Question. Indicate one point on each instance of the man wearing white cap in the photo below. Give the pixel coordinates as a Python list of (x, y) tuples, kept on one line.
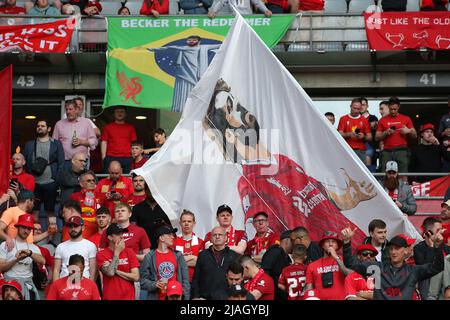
[(398, 190)]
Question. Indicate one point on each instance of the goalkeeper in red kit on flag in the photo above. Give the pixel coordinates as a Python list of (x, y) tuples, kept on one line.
[(274, 183)]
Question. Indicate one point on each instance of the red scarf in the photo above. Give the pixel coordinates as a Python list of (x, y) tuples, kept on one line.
[(251, 284), (231, 236), (261, 242)]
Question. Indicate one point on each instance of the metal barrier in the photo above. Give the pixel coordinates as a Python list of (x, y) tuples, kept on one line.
[(310, 33)]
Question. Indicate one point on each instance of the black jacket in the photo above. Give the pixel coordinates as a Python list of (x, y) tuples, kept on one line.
[(394, 5), (314, 252), (210, 276), (396, 283), (273, 262), (56, 156)]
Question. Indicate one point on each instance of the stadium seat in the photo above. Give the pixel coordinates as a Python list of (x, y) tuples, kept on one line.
[(335, 6)]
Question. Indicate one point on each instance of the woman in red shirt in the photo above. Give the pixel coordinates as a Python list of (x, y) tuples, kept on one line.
[(154, 7)]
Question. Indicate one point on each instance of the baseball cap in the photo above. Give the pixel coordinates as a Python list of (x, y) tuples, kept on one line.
[(11, 283), (331, 235), (174, 288), (165, 230), (366, 247), (25, 220), (427, 126), (311, 295), (223, 208), (409, 241), (398, 241), (261, 213), (114, 228), (446, 202), (391, 166), (285, 234), (25, 195), (75, 220), (236, 290)]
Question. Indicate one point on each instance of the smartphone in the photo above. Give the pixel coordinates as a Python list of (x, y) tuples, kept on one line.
[(14, 182)]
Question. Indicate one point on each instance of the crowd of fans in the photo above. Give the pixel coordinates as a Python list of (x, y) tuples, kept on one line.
[(212, 8), (66, 235), (380, 141)]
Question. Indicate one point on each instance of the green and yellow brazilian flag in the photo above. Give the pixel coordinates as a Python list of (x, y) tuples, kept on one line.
[(137, 77)]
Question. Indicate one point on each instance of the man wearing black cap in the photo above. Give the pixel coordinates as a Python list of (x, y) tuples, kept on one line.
[(237, 239), (264, 238), (398, 280), (119, 265), (212, 264), (162, 265), (275, 259), (237, 292)]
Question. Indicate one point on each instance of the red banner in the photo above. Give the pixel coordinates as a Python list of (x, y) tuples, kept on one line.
[(44, 37), (408, 30), (6, 76)]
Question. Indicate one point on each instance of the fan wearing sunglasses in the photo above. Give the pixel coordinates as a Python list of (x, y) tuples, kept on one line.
[(358, 287)]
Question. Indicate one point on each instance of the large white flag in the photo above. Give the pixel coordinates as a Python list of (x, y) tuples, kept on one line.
[(250, 137)]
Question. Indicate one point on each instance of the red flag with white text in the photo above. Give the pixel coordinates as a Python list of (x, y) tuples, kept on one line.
[(44, 37)]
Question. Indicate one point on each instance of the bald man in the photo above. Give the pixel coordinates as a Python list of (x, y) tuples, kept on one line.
[(212, 265), (25, 179), (116, 188)]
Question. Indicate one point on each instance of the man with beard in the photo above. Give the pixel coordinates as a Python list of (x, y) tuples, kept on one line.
[(191, 62), (445, 214), (274, 181), (76, 245), (10, 290), (398, 190), (115, 188), (46, 185), (139, 191), (25, 179), (146, 213)]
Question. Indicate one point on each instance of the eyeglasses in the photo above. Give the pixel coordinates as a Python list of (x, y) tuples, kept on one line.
[(217, 235), (259, 220), (90, 180), (368, 254), (330, 234)]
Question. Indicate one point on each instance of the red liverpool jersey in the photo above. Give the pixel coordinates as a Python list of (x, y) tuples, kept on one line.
[(294, 198), (293, 277)]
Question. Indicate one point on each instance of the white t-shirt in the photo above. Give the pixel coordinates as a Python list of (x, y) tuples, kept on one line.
[(24, 268), (378, 257), (68, 248)]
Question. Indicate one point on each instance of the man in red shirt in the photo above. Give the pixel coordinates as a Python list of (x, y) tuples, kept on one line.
[(163, 265), (356, 286), (137, 153), (89, 201), (74, 286), (119, 266), (264, 238), (135, 237), (325, 275), (116, 140), (25, 179), (293, 277), (259, 283), (188, 243), (139, 191), (114, 189), (445, 214), (355, 129), (237, 239), (10, 8), (103, 221), (392, 130)]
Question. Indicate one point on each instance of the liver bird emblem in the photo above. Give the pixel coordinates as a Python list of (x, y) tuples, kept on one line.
[(130, 87)]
